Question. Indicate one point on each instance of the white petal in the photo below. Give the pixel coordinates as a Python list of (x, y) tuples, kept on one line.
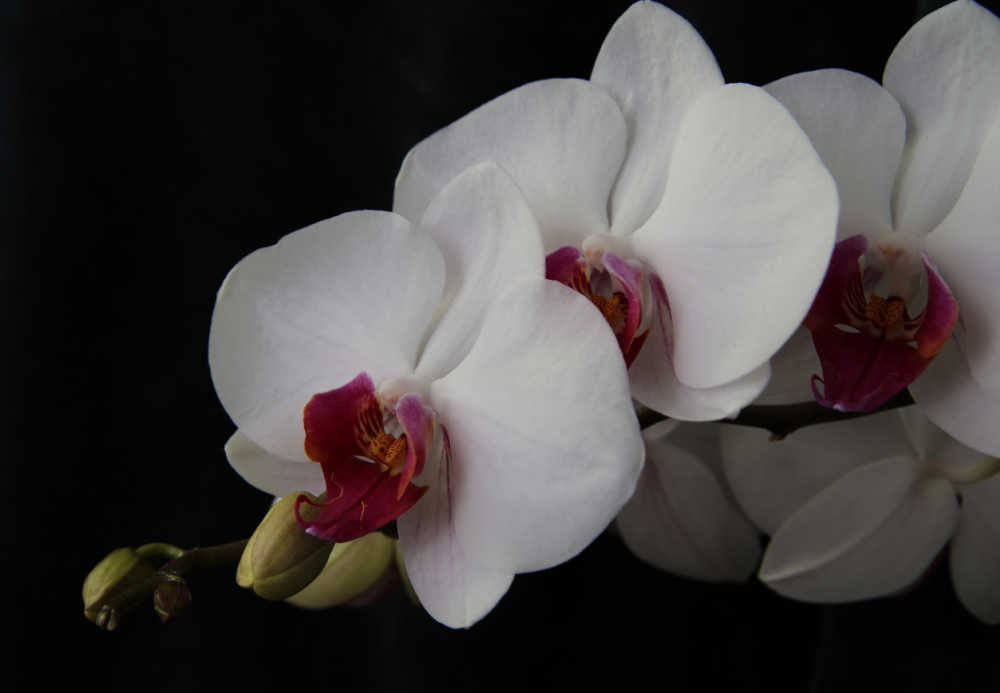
[(950, 397), (451, 586), (743, 235), (975, 551), (869, 534), (946, 456), (654, 384), (681, 520), (488, 236), (792, 369), (561, 140), (966, 250), (945, 72), (771, 479), (542, 428), (270, 473), (858, 129), (352, 293), (655, 65)]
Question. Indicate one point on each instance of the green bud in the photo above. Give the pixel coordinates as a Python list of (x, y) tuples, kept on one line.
[(280, 558), (351, 570), (120, 570), (171, 597)]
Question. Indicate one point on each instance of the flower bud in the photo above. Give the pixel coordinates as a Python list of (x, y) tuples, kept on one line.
[(171, 597), (280, 558), (353, 569), (120, 570)]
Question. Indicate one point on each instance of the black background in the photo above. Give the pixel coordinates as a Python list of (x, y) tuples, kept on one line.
[(151, 145)]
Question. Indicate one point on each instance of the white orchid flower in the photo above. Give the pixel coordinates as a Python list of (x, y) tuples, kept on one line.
[(682, 517), (436, 376), (859, 509), (917, 165), (695, 215)]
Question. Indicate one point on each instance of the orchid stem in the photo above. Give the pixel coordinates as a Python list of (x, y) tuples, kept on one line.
[(783, 419)]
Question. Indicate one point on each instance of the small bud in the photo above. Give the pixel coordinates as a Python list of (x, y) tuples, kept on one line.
[(120, 570), (172, 597), (280, 558), (351, 571)]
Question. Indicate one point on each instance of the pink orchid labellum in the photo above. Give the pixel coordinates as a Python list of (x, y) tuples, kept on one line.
[(438, 379)]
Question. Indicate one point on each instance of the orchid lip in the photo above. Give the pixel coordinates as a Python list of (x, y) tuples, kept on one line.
[(869, 345), (616, 286), (369, 454)]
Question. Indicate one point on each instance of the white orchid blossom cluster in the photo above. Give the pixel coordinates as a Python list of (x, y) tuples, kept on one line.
[(467, 365)]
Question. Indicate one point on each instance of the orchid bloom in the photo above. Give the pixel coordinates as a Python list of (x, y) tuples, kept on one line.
[(914, 276), (682, 517), (437, 378), (859, 509), (694, 215)]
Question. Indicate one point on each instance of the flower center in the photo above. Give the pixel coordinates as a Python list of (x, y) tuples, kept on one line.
[(885, 313), (878, 319), (618, 288), (892, 281), (370, 446)]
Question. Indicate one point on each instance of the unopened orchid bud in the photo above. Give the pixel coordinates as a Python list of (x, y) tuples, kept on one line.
[(119, 571), (281, 558), (353, 569), (171, 597)]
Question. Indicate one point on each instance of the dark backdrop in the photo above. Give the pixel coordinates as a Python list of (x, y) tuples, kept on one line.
[(148, 147)]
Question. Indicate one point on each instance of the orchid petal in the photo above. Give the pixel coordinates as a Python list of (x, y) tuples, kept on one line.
[(870, 533), (654, 63), (946, 456), (771, 479), (453, 589), (487, 235), (655, 384), (750, 206), (975, 551), (680, 519), (792, 369), (954, 400), (269, 473), (349, 294), (858, 130), (966, 247), (561, 140), (945, 72), (541, 422)]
